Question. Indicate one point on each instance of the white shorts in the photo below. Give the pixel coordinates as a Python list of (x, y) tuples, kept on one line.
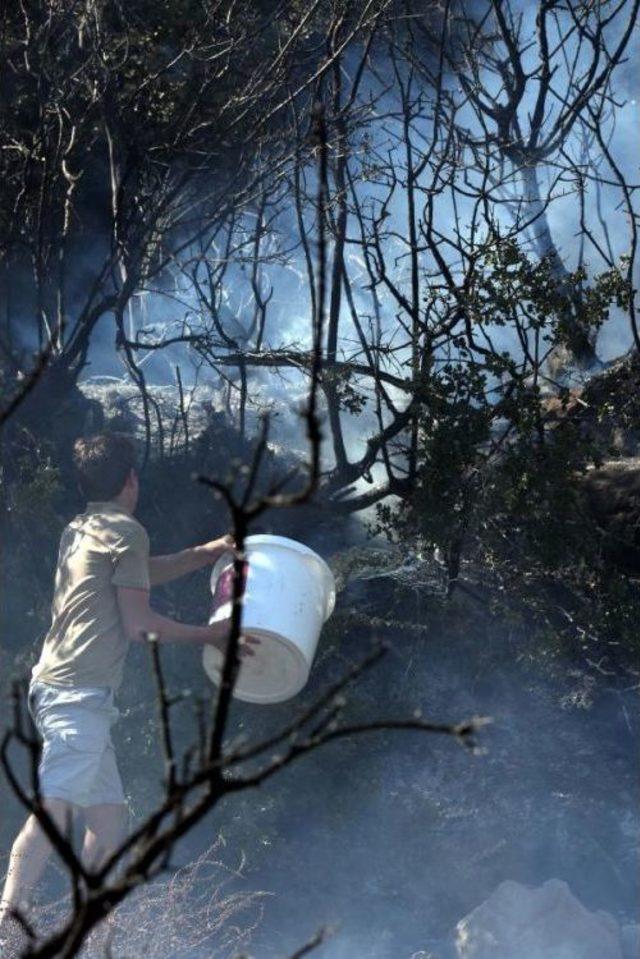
[(78, 761)]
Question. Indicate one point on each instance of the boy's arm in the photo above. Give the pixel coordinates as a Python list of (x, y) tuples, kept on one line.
[(163, 569), (139, 621)]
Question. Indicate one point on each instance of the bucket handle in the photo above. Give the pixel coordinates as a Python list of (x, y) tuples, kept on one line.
[(217, 568)]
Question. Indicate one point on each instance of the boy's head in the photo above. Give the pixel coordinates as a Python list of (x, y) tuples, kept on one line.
[(106, 467)]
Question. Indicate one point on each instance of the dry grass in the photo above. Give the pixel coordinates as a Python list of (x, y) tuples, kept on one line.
[(196, 912)]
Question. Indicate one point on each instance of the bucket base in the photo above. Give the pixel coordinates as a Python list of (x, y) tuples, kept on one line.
[(277, 671)]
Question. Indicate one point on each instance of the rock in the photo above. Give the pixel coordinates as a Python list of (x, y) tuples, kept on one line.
[(547, 922), (612, 496), (631, 941)]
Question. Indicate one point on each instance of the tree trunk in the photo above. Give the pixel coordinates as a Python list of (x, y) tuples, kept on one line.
[(580, 340)]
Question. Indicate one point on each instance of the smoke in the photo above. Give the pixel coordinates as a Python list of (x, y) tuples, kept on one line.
[(377, 149), (393, 838)]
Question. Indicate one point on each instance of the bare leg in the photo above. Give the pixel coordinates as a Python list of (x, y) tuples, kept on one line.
[(106, 828), (28, 858)]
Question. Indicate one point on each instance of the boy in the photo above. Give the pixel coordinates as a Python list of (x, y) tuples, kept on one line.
[(100, 605)]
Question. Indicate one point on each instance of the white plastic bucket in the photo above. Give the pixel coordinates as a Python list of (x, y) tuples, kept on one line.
[(289, 594)]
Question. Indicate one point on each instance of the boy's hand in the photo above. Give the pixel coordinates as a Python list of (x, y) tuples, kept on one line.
[(245, 646), (220, 638), (213, 550)]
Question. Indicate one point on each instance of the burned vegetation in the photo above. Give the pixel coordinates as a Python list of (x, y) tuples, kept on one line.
[(363, 274)]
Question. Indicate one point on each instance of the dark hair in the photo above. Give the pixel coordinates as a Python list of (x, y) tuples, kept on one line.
[(102, 464)]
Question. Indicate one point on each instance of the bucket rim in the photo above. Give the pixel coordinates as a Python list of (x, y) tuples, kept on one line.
[(249, 695), (284, 542), (267, 539)]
